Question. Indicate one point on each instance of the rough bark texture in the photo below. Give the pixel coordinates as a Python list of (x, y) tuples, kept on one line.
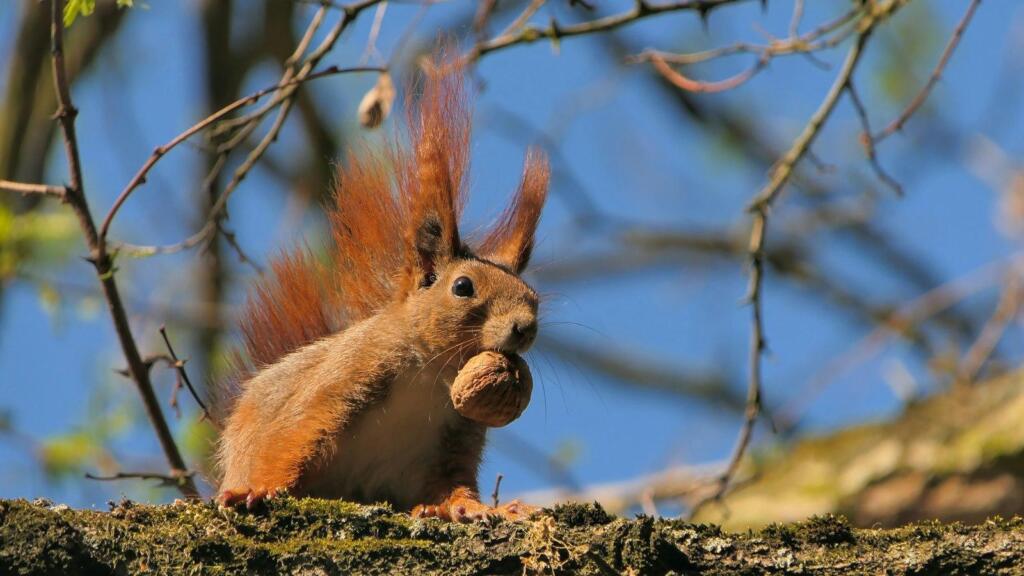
[(958, 455), (314, 537)]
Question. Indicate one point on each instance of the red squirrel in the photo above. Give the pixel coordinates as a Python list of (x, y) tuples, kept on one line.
[(342, 387)]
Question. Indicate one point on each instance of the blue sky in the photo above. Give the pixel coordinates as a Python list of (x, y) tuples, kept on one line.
[(623, 145)]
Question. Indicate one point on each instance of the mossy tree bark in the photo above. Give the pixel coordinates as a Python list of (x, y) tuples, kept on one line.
[(956, 456), (292, 536)]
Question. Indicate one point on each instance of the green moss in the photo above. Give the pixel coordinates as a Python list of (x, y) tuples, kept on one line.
[(581, 514), (290, 536), (827, 529)]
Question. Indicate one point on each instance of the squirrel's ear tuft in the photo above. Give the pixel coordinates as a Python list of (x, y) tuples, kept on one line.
[(430, 245), (510, 241), (433, 183)]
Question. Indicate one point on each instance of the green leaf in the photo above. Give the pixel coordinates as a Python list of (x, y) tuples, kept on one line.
[(75, 7)]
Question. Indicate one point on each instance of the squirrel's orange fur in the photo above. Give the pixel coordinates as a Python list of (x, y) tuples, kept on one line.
[(342, 387)]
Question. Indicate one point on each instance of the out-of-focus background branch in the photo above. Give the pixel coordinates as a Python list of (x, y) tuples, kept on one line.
[(888, 227)]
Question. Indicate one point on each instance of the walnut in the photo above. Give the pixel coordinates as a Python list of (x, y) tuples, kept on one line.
[(492, 388)]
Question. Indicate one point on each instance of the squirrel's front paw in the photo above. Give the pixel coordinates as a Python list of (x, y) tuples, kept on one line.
[(251, 497)]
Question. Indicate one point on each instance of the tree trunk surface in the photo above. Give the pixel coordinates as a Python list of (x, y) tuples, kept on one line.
[(314, 537)]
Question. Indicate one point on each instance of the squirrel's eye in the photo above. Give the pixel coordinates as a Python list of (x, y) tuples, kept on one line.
[(463, 287), (428, 280)]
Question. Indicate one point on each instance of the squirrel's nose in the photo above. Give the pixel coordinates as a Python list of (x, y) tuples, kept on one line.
[(523, 333)]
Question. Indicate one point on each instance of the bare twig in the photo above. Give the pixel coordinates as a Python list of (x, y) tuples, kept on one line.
[(371, 38), (897, 124), (794, 22), (690, 85), (174, 480), (555, 31), (688, 485), (828, 35), (42, 189), (782, 171), (869, 143), (160, 151), (497, 488), (523, 18), (285, 99), (482, 18), (101, 260), (179, 366), (232, 240)]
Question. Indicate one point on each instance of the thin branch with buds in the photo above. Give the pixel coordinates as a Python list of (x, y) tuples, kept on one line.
[(160, 151), (286, 89), (897, 124), (101, 260)]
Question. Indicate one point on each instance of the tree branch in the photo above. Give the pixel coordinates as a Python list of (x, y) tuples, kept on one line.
[(40, 189), (100, 259)]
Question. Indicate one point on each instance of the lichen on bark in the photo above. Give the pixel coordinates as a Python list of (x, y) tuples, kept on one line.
[(307, 536)]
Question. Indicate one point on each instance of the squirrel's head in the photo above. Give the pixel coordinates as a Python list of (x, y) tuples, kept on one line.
[(468, 300), (470, 304)]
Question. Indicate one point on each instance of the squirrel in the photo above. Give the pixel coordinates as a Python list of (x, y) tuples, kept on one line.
[(341, 389)]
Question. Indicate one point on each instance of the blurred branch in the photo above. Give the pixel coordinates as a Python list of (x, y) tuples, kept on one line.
[(101, 260), (645, 373), (905, 318), (534, 458), (681, 484), (1005, 312), (690, 85)]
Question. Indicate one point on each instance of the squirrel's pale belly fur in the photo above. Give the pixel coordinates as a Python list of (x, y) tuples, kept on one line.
[(388, 451)]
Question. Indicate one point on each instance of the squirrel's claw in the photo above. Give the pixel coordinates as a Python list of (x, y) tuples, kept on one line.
[(461, 510), (466, 510), (232, 498), (516, 510)]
